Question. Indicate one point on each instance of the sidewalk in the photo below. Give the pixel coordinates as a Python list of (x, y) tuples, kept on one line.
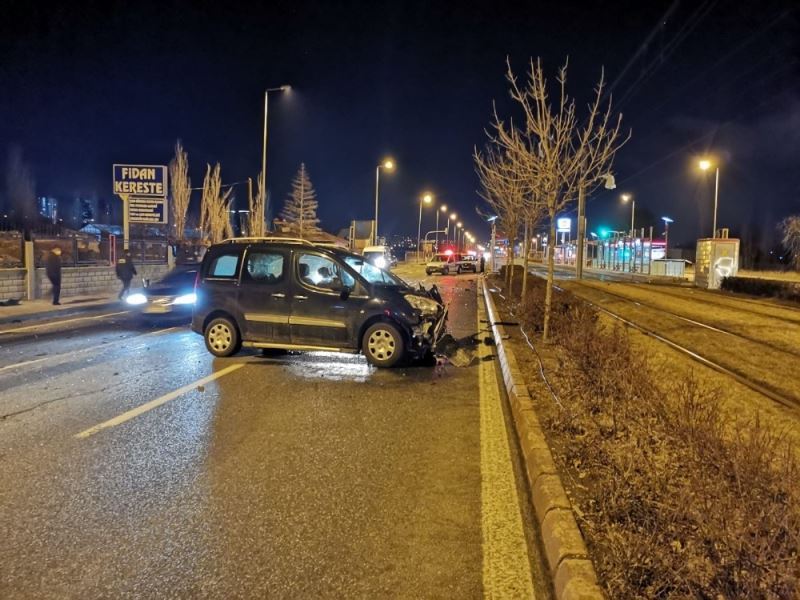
[(31, 310)]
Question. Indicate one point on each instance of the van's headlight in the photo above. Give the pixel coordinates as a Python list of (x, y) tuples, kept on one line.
[(186, 299), (136, 299), (426, 306), (380, 262)]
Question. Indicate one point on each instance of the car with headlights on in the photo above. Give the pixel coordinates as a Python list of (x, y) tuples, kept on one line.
[(290, 294), (173, 295), (380, 256)]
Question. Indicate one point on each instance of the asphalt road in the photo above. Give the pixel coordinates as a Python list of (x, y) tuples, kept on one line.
[(134, 464)]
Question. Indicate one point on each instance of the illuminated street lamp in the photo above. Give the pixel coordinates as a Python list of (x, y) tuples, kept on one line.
[(705, 165), (626, 198), (283, 88), (453, 217), (426, 198), (667, 221), (388, 165), (459, 229)]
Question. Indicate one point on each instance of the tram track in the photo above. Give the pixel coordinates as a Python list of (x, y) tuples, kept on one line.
[(715, 328), (791, 314), (774, 392)]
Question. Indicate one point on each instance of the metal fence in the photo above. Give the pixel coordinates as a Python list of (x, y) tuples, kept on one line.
[(88, 250)]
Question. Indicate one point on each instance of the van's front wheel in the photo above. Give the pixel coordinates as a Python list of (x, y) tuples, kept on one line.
[(383, 345)]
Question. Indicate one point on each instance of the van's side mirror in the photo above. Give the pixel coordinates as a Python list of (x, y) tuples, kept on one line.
[(344, 293)]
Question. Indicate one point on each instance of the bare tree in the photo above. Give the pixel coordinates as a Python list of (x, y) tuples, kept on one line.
[(256, 221), (504, 191), (558, 156), (20, 186), (181, 187), (300, 209), (215, 221), (790, 229)]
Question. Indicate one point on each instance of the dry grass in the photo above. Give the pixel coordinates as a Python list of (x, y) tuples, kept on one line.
[(675, 499)]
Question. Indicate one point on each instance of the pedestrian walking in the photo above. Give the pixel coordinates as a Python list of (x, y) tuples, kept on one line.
[(125, 272), (483, 263), (53, 272)]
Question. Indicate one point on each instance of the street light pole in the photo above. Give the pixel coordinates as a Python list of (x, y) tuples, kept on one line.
[(705, 165), (442, 209), (626, 198), (427, 199), (716, 201), (667, 221), (387, 164), (283, 88)]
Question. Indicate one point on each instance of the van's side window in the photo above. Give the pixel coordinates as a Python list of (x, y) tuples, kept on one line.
[(321, 272), (224, 265), (264, 267)]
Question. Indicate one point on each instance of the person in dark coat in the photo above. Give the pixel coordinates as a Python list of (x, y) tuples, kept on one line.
[(483, 263), (53, 271), (125, 272)]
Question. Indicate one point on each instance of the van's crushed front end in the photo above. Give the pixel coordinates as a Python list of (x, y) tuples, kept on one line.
[(431, 316)]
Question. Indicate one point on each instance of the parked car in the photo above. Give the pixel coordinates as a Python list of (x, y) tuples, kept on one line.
[(173, 295), (290, 294), (467, 262), (441, 263)]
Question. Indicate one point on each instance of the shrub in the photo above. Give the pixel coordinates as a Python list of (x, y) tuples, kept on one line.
[(772, 288), (674, 500)]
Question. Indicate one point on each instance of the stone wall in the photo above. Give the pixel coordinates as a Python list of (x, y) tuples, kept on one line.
[(12, 284), (93, 281)]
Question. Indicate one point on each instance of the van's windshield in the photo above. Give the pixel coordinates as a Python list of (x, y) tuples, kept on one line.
[(372, 273)]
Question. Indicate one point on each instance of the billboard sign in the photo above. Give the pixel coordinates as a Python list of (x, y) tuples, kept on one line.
[(148, 181), (564, 225), (147, 210)]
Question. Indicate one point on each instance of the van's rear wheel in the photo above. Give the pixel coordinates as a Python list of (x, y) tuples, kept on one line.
[(383, 345), (446, 271), (222, 337)]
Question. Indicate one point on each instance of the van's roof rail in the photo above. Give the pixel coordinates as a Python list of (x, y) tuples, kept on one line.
[(288, 240)]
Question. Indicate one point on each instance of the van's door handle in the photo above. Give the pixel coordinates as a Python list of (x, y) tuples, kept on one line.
[(278, 295), (302, 297)]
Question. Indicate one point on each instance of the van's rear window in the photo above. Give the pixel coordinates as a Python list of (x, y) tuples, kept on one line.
[(224, 265)]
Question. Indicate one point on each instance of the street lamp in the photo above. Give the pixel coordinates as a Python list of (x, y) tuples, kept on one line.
[(626, 198), (705, 165), (453, 217), (388, 165), (667, 221), (283, 88), (459, 226), (426, 198), (443, 209)]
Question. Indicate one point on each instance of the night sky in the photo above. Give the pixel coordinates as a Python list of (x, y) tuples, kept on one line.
[(84, 85)]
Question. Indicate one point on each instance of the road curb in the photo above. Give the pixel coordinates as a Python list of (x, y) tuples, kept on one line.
[(571, 567)]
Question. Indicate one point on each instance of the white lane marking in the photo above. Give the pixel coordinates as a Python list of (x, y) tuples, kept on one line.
[(27, 363), (506, 566), (51, 323), (148, 406)]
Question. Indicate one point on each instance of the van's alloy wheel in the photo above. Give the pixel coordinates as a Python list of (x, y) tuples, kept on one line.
[(383, 345), (222, 337)]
